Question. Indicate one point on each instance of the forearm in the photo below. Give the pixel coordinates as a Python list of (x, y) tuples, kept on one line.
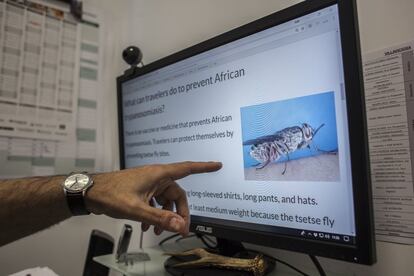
[(29, 205)]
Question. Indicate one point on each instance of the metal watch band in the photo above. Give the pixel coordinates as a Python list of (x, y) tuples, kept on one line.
[(76, 204)]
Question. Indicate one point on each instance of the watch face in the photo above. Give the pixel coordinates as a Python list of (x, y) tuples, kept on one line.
[(76, 182)]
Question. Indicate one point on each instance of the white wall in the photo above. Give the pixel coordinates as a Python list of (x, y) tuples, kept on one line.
[(161, 27), (62, 247)]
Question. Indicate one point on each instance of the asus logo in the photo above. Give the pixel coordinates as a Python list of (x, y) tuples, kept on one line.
[(204, 229)]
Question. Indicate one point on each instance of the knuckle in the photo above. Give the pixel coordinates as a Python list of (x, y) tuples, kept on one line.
[(132, 206), (181, 193), (163, 219)]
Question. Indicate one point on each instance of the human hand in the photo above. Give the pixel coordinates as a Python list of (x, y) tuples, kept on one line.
[(129, 194)]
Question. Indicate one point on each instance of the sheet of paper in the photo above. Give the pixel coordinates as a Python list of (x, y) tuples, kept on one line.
[(39, 71), (67, 85), (389, 78), (36, 271)]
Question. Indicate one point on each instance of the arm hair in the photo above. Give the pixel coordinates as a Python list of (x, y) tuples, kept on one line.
[(28, 205)]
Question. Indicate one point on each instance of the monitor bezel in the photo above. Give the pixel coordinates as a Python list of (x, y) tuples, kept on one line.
[(363, 251)]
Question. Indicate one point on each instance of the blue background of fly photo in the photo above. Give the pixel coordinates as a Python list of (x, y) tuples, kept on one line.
[(266, 119)]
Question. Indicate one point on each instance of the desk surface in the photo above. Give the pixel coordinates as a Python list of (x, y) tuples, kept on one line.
[(155, 266)]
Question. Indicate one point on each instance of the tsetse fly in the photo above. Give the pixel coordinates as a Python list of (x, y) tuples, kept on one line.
[(266, 149)]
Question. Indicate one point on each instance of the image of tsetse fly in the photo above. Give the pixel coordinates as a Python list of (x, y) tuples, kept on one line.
[(271, 148)]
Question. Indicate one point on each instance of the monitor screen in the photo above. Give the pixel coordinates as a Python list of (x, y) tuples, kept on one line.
[(270, 101)]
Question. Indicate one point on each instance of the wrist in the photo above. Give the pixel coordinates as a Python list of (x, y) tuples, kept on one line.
[(61, 198), (93, 196)]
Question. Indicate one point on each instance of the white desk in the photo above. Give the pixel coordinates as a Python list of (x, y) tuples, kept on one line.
[(155, 267)]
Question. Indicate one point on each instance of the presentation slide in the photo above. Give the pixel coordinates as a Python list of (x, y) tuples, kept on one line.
[(276, 119)]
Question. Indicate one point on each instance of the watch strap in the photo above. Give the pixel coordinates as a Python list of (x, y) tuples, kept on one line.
[(76, 204)]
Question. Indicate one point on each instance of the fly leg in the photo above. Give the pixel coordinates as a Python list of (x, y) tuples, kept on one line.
[(283, 173), (263, 165), (334, 151)]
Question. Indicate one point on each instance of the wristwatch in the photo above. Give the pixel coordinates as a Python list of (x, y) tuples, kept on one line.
[(75, 187)]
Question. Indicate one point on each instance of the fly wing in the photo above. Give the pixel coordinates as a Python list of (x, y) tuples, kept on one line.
[(262, 139), (290, 131)]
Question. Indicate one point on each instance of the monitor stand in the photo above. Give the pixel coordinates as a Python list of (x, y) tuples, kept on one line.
[(225, 248)]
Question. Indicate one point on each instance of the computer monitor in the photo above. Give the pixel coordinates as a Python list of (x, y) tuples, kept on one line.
[(280, 103)]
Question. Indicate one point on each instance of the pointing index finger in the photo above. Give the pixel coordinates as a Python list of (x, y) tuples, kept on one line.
[(179, 170)]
